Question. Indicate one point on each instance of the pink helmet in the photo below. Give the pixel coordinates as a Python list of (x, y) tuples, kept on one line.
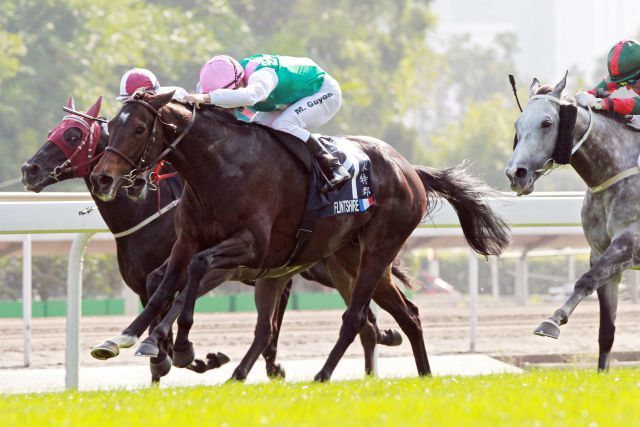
[(136, 78), (220, 72)]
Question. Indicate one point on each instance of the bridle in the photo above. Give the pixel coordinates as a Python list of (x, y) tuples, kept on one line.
[(91, 137), (142, 165), (550, 164)]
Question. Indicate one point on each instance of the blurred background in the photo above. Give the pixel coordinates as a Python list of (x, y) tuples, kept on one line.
[(429, 77)]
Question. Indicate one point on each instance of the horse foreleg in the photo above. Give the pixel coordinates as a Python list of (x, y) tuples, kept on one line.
[(608, 298), (267, 296), (621, 254), (235, 251), (275, 370), (181, 253)]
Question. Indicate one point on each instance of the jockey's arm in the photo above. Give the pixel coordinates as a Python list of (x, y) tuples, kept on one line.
[(624, 106), (605, 85), (260, 84)]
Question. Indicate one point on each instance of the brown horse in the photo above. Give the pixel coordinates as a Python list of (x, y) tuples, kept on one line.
[(71, 151), (239, 215)]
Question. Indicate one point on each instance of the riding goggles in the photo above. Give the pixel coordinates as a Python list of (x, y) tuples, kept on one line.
[(630, 82)]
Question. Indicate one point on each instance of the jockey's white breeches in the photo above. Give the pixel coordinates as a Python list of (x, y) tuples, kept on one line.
[(310, 112)]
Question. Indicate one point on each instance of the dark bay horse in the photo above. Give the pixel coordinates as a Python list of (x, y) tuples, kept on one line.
[(239, 216), (70, 152), (604, 151)]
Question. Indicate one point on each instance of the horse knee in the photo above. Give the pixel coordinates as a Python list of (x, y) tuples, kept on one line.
[(197, 267)]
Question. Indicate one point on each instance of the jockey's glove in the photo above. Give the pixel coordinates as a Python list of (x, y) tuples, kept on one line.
[(200, 98), (585, 99)]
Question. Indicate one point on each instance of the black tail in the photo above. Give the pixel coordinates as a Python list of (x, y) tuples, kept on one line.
[(485, 231), (401, 274)]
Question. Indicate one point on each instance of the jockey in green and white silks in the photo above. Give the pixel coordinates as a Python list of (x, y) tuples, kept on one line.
[(623, 64), (289, 94)]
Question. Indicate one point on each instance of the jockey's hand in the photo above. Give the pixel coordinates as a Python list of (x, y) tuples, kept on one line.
[(197, 99), (585, 99)]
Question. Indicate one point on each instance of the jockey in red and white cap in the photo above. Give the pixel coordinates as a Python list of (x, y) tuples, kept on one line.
[(288, 93), (137, 78), (623, 63)]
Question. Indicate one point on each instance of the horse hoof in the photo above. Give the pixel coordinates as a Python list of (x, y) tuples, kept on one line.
[(183, 358), (106, 350), (146, 349), (160, 369), (215, 360), (322, 377), (396, 338), (238, 375), (276, 372), (548, 328)]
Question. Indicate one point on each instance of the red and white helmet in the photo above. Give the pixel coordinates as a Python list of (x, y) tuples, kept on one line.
[(220, 72), (134, 79)]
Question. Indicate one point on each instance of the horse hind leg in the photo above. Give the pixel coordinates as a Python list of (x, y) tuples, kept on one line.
[(393, 301), (374, 262), (608, 298), (267, 296)]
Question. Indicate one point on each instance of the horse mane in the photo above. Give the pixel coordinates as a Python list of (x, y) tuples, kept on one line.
[(612, 115)]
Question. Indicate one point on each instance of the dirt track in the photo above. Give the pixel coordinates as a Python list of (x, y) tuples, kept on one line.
[(504, 330)]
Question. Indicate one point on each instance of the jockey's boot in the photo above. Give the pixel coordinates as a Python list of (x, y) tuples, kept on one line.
[(333, 171)]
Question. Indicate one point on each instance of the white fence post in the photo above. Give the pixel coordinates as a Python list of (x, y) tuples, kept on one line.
[(473, 299), (26, 296), (635, 287), (495, 281), (74, 306), (522, 280)]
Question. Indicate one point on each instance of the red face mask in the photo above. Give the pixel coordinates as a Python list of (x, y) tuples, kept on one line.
[(78, 149)]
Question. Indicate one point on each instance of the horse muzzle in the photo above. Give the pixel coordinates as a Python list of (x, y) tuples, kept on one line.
[(521, 179), (105, 186)]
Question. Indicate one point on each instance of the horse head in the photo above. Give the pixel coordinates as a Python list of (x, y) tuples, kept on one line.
[(537, 131), (136, 137), (69, 150)]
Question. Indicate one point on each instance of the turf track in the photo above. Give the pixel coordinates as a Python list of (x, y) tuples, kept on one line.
[(539, 398)]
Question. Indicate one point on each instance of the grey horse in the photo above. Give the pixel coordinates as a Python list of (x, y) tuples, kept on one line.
[(604, 151)]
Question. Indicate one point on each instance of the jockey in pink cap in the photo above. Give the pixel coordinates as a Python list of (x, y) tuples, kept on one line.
[(137, 78), (289, 94)]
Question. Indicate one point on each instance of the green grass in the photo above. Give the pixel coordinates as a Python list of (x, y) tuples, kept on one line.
[(539, 398)]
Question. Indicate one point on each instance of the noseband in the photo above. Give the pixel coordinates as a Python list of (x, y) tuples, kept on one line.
[(142, 166)]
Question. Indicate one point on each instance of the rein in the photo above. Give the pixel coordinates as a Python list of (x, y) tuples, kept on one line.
[(550, 164)]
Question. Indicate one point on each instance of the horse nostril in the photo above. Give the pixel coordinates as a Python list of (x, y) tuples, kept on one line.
[(31, 169), (521, 172), (104, 181)]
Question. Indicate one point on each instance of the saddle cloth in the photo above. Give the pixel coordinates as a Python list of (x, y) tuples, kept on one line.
[(353, 196)]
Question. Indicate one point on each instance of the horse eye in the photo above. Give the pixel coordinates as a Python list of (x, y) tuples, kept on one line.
[(139, 130), (546, 124)]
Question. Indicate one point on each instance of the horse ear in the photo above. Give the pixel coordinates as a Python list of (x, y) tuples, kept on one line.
[(533, 89), (95, 108), (70, 104), (159, 101), (557, 91)]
